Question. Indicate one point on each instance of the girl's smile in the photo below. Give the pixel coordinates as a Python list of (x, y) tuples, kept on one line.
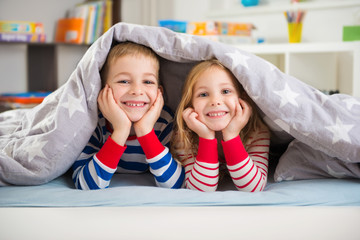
[(218, 114), (215, 98)]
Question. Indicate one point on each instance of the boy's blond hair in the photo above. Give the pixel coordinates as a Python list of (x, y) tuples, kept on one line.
[(184, 137), (125, 49)]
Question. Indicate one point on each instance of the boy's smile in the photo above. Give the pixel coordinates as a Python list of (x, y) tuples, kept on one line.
[(134, 104), (134, 81)]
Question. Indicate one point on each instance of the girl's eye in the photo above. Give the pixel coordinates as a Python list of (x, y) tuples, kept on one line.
[(203, 95), (226, 91)]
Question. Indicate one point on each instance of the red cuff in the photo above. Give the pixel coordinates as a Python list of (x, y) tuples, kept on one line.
[(110, 153), (151, 145), (207, 151), (234, 151)]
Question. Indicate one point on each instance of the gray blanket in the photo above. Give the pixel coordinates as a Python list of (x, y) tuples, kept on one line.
[(40, 144)]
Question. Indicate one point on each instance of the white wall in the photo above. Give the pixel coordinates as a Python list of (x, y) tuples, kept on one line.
[(13, 68), (149, 12)]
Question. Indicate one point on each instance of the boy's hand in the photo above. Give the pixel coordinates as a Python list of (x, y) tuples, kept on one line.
[(146, 124), (190, 117), (115, 115), (242, 115)]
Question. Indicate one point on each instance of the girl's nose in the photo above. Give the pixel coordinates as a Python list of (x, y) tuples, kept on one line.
[(215, 101)]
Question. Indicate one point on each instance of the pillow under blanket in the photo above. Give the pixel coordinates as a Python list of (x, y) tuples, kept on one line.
[(300, 161)]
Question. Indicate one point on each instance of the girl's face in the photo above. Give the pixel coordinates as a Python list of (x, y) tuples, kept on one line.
[(134, 81), (215, 98)]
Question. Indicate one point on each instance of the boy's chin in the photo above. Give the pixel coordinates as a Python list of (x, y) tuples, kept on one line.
[(135, 118)]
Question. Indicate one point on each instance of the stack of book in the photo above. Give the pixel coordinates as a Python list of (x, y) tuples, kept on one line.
[(85, 22), (228, 32), (21, 31), (21, 100)]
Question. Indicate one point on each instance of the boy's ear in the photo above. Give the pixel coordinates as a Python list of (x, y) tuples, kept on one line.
[(161, 89)]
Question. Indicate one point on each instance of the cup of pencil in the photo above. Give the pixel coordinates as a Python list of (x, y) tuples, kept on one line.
[(294, 22)]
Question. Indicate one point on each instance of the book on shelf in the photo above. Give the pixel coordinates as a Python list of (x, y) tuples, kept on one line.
[(70, 30), (108, 15), (97, 19), (22, 37), (21, 27), (21, 100), (91, 23), (21, 31)]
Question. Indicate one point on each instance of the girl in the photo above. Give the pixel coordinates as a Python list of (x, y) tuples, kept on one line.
[(217, 120)]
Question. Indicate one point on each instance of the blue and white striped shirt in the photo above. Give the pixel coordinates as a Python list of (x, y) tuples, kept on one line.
[(92, 172)]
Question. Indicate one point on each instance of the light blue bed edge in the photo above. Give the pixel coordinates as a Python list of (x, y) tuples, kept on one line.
[(140, 190)]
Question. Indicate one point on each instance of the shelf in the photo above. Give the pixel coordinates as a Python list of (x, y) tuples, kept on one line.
[(326, 66), (38, 66), (43, 44), (301, 47), (239, 10)]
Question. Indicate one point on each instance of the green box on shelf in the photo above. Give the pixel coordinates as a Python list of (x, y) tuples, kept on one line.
[(351, 33)]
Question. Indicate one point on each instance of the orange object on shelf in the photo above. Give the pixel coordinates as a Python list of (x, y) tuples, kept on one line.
[(70, 30)]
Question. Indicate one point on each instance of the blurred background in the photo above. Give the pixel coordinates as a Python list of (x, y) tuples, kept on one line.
[(317, 41)]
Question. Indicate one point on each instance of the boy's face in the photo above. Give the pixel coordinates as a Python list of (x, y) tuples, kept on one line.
[(134, 81), (215, 98)]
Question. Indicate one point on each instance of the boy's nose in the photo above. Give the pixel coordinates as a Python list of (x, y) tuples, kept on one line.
[(136, 90)]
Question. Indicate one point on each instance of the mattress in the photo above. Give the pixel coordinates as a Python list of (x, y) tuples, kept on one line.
[(140, 190)]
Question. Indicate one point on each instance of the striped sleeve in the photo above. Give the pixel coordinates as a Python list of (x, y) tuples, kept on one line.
[(96, 164), (167, 171), (164, 126), (248, 168), (202, 173)]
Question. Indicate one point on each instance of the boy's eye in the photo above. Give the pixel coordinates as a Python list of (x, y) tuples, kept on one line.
[(149, 82)]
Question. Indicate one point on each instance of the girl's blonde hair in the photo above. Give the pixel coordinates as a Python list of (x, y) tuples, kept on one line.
[(126, 49), (183, 136)]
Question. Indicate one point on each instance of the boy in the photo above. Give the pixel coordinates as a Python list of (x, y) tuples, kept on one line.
[(134, 128)]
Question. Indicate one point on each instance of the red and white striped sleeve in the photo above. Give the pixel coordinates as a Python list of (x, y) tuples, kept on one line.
[(248, 168), (202, 172)]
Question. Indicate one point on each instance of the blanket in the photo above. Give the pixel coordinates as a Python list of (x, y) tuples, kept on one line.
[(40, 144)]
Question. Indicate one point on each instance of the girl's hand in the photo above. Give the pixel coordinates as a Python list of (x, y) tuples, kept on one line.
[(190, 117), (242, 115), (115, 115), (147, 122)]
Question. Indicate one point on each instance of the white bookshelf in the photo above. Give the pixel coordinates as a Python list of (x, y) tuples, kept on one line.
[(322, 59), (239, 10), (326, 66)]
